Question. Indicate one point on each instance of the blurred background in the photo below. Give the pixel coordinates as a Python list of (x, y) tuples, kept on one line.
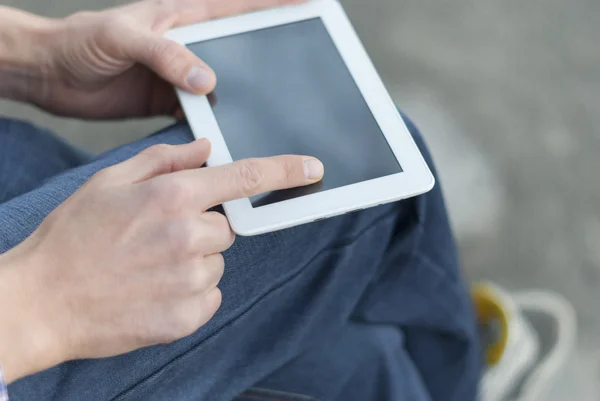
[(507, 93)]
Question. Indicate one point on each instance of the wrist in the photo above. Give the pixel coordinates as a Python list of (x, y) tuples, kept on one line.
[(25, 59), (27, 344)]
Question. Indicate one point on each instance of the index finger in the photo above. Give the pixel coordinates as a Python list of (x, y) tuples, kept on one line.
[(249, 177)]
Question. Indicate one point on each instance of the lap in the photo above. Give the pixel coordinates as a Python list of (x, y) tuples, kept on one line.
[(285, 294), (30, 155)]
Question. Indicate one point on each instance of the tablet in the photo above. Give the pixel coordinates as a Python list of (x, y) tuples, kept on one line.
[(297, 80)]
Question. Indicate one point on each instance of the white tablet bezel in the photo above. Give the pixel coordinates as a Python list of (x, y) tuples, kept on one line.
[(415, 178)]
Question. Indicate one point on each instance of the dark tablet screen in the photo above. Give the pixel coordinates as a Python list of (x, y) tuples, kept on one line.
[(287, 90)]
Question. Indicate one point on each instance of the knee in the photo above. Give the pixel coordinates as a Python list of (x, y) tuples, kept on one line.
[(33, 154), (23, 137), (419, 140), (17, 138), (13, 130)]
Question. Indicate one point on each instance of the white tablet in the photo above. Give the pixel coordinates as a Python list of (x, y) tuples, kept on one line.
[(297, 80)]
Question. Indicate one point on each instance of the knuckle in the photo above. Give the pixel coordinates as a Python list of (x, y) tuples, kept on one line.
[(157, 152), (221, 220), (158, 155), (206, 275), (169, 194), (187, 316), (224, 228), (154, 192), (179, 238), (218, 267), (250, 177), (217, 302), (230, 238), (112, 26), (158, 197), (167, 158), (177, 191), (197, 279), (230, 235)]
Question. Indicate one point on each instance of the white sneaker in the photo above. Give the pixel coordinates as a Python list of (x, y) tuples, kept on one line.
[(528, 338)]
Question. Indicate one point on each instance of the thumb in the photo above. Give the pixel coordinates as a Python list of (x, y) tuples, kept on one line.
[(162, 159), (172, 62)]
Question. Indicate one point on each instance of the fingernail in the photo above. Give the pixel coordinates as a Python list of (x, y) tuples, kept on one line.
[(199, 79), (313, 169)]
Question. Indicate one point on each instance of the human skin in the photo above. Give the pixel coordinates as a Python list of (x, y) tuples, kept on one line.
[(109, 64)]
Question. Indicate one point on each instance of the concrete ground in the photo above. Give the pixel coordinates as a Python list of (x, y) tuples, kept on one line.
[(508, 95)]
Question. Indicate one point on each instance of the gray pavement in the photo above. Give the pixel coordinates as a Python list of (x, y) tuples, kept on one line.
[(508, 95)]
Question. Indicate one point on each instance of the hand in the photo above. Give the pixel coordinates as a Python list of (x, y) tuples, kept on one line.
[(132, 259), (116, 64)]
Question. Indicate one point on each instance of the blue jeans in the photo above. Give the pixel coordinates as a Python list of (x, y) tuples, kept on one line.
[(367, 306)]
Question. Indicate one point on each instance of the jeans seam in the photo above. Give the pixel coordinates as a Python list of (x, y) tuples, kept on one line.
[(339, 245)]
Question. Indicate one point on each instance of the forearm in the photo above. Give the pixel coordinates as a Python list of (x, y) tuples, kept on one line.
[(24, 53)]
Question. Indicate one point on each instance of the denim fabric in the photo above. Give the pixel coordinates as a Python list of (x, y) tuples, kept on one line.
[(367, 306)]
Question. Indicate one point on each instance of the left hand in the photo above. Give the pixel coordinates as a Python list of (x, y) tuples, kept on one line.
[(116, 63)]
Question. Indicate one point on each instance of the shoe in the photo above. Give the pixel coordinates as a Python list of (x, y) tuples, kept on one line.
[(528, 338)]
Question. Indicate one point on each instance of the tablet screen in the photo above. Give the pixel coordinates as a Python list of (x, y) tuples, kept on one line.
[(287, 90)]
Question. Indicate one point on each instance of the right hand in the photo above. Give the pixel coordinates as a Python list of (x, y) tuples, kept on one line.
[(133, 258)]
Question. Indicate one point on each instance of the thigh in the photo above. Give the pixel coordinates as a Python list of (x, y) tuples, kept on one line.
[(29, 155), (412, 335), (284, 293)]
